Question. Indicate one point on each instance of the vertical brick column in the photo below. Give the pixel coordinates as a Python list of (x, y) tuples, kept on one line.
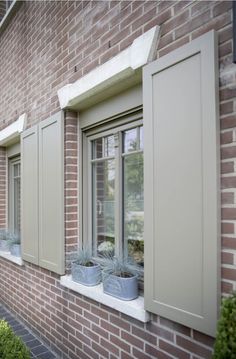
[(2, 187), (71, 186)]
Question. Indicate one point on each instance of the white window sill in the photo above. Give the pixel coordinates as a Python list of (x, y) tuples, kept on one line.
[(11, 258), (133, 308)]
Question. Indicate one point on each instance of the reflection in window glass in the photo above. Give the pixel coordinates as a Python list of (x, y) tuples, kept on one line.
[(104, 147), (130, 140), (14, 196), (117, 194), (133, 206), (109, 146), (98, 148), (141, 137), (103, 207)]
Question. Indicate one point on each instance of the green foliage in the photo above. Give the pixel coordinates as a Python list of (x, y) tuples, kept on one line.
[(225, 344), (11, 346)]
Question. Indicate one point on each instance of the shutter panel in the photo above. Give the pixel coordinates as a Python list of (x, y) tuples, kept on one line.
[(29, 194), (181, 185), (51, 194)]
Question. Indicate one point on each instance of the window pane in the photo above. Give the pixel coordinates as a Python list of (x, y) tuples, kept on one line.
[(103, 207), (17, 205), (109, 146), (17, 170), (97, 148), (104, 147), (133, 206), (141, 137), (130, 140)]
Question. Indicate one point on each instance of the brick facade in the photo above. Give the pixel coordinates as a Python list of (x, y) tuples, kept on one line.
[(50, 44)]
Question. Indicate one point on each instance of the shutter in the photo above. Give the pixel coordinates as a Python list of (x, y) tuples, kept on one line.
[(51, 194), (181, 185), (29, 195)]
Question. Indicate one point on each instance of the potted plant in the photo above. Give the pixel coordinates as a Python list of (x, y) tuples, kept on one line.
[(14, 244), (4, 245), (85, 270), (120, 278)]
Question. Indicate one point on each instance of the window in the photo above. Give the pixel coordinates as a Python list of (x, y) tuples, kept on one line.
[(114, 182), (14, 195)]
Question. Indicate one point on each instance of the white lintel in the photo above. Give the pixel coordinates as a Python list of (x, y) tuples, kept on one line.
[(12, 132), (121, 67), (133, 308)]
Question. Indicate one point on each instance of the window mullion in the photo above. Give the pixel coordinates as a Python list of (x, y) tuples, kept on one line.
[(118, 193)]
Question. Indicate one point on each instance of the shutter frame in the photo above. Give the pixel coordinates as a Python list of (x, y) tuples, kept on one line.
[(29, 202), (51, 232), (206, 47)]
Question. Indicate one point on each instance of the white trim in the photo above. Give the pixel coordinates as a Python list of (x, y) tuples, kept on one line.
[(111, 73), (133, 308), (12, 131), (11, 258)]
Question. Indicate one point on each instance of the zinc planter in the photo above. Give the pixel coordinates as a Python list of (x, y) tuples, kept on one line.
[(15, 250), (120, 287), (86, 275), (4, 245)]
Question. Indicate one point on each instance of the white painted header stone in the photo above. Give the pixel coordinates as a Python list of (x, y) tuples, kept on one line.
[(112, 72), (12, 131)]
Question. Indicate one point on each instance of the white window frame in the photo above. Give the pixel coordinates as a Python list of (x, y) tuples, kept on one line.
[(118, 125), (11, 196)]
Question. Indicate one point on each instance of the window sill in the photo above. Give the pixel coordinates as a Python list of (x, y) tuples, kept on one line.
[(133, 308), (11, 258)]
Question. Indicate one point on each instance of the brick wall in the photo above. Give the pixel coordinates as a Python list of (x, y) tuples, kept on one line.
[(48, 44), (71, 186)]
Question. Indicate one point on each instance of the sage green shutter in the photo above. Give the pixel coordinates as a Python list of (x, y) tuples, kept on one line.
[(181, 185), (51, 194), (29, 194)]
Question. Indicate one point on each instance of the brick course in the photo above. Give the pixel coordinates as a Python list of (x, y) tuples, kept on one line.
[(45, 46)]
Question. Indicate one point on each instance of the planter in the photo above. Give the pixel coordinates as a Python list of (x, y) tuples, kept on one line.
[(119, 287), (4, 245), (89, 276), (15, 250)]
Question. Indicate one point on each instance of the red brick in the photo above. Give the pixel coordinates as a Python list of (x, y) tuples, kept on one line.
[(120, 343), (140, 333), (226, 137), (227, 258), (226, 287), (194, 347), (227, 228), (174, 326), (160, 331), (228, 213), (132, 340), (227, 167), (227, 197), (228, 273), (228, 182), (229, 243), (171, 349), (228, 122), (154, 352)]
